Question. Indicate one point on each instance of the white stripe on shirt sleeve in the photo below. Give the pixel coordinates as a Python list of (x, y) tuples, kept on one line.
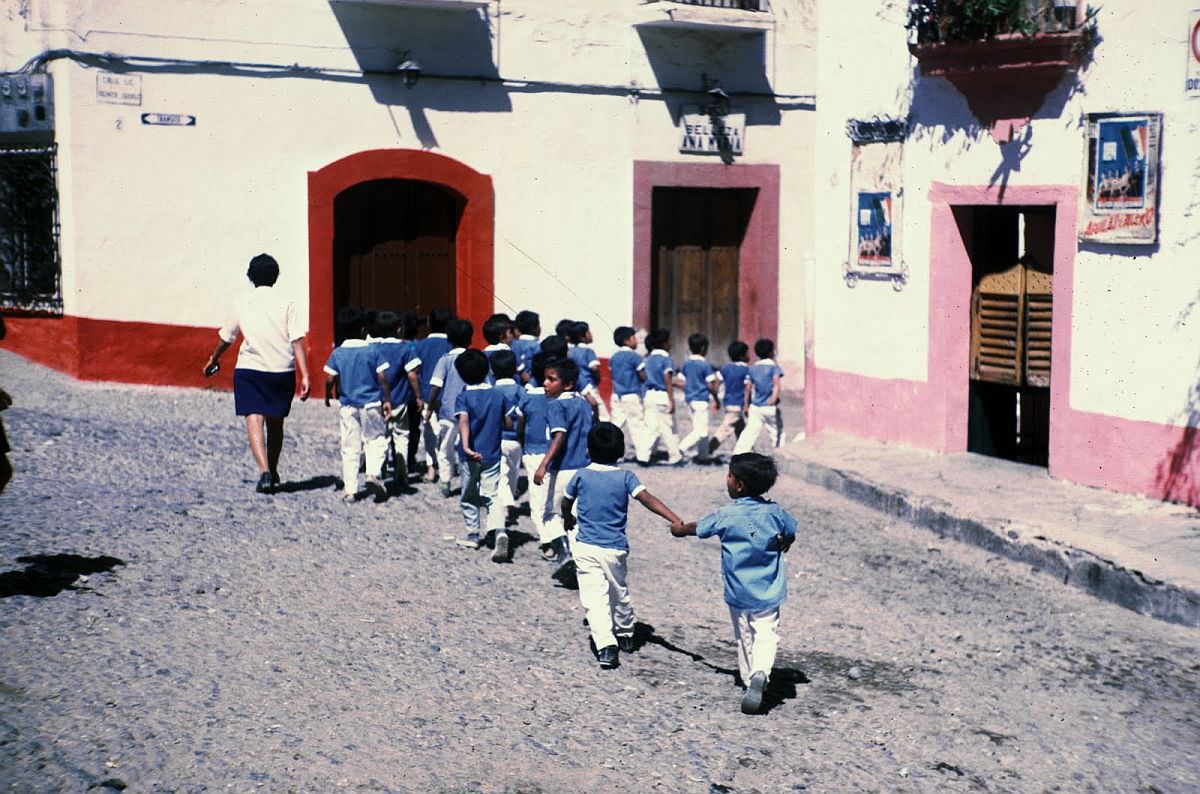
[(384, 367), (637, 490), (558, 430), (436, 381), (330, 372), (412, 364)]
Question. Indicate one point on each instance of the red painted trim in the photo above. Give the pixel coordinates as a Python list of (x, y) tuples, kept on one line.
[(475, 244), (758, 264)]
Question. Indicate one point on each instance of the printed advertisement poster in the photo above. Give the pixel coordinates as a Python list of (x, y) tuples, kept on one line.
[(875, 229), (1122, 179), (1192, 84)]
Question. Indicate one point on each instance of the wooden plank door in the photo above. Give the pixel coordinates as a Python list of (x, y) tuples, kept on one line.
[(697, 291)]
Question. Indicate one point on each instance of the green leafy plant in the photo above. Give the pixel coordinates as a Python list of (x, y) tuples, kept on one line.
[(970, 20)]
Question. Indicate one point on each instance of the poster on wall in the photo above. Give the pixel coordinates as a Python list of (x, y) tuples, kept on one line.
[(1122, 179), (875, 202), (1192, 81)]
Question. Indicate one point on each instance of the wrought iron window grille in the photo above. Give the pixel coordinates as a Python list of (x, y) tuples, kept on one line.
[(877, 130), (30, 265)]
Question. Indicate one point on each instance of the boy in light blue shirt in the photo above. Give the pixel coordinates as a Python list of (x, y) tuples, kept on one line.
[(599, 494), (628, 382), (356, 370), (754, 532), (445, 386), (660, 397), (733, 382), (534, 433), (700, 383), (762, 398), (404, 383), (569, 417)]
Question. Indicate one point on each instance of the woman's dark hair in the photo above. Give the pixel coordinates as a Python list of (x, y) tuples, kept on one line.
[(757, 473), (605, 443), (472, 366), (263, 270)]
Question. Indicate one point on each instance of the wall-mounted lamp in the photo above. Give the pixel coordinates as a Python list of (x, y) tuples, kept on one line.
[(718, 101), (409, 70)]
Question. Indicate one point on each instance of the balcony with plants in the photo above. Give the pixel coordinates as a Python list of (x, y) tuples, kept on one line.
[(715, 15)]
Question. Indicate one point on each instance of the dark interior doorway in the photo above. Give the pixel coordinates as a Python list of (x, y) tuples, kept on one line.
[(1012, 256), (394, 246), (696, 239)]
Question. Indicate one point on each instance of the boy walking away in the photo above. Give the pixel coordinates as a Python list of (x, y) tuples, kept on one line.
[(482, 413), (504, 371), (762, 400), (404, 381), (526, 345), (410, 325), (660, 397), (699, 389), (733, 378), (445, 386), (754, 532), (534, 433), (356, 370), (569, 418), (498, 333), (600, 544), (589, 366), (628, 377), (430, 350)]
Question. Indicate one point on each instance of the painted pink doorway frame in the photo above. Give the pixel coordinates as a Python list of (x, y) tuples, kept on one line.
[(758, 264)]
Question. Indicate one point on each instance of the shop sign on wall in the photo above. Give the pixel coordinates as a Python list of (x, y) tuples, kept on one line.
[(875, 201), (1122, 179), (701, 133), (1193, 56), (119, 89)]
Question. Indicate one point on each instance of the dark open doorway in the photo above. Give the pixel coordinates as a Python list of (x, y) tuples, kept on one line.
[(394, 246), (1012, 255), (696, 237)]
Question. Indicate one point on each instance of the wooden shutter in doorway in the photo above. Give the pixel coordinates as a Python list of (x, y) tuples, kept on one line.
[(1011, 314)]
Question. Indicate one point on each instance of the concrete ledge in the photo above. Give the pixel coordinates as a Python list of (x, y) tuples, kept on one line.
[(1074, 566)]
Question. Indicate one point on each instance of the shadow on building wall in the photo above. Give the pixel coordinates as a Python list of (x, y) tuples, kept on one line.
[(1176, 475)]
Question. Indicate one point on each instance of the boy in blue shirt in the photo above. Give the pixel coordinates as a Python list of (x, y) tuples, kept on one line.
[(534, 432), (600, 545), (733, 380), (700, 390), (498, 333), (404, 381), (585, 359), (504, 373), (356, 370), (628, 379), (754, 532), (660, 397), (430, 350), (569, 418), (482, 413), (761, 402), (445, 386), (526, 345)]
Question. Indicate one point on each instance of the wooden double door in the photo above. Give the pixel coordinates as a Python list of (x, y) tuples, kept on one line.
[(697, 240)]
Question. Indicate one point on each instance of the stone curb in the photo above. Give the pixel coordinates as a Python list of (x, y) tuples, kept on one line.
[(1077, 567)]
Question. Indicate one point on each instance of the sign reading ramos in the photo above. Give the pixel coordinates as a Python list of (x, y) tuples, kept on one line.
[(1122, 179)]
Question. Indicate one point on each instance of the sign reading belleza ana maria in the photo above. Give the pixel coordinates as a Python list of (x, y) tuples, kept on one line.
[(699, 134)]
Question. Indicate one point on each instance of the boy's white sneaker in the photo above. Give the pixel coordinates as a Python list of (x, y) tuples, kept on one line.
[(500, 547), (753, 698)]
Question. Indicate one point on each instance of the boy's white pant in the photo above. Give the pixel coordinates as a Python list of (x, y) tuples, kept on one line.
[(540, 509), (555, 483), (429, 439), (660, 424), (627, 411), (399, 427), (761, 416), (699, 430), (603, 592), (362, 430), (480, 488), (756, 634), (729, 424), (510, 471), (447, 455)]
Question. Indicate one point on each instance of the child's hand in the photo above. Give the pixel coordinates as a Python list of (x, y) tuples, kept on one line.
[(540, 475), (473, 455), (568, 521), (387, 410), (783, 543), (677, 526)]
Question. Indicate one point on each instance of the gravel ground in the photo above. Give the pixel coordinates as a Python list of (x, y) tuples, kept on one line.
[(290, 642)]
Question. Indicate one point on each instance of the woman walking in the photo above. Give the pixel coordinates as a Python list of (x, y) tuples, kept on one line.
[(264, 379)]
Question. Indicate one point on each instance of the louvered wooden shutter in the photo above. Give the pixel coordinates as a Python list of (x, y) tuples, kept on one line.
[(1011, 315), (1039, 311)]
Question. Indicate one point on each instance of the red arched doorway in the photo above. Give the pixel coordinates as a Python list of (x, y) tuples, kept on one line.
[(460, 203)]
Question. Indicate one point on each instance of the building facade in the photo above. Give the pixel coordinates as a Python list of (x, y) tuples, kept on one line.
[(620, 162)]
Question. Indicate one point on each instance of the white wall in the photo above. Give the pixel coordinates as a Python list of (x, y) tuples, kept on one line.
[(159, 222), (1135, 329)]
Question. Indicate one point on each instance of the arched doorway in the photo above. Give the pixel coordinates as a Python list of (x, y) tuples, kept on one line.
[(397, 175), (394, 245)]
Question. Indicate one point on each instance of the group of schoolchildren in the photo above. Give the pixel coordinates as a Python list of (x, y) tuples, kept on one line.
[(523, 401)]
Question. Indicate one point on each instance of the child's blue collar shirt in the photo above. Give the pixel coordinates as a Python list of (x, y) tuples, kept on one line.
[(751, 563)]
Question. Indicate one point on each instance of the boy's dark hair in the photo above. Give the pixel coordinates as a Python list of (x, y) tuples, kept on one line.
[(385, 323), (472, 366), (263, 270), (410, 324), (438, 319), (495, 327), (537, 368), (764, 348), (579, 330), (351, 322), (459, 332), (605, 443), (563, 328), (554, 347), (738, 350), (528, 322), (658, 339), (568, 373), (621, 335), (698, 344), (504, 364), (757, 473)]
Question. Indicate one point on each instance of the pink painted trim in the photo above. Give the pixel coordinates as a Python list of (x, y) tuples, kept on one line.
[(758, 280)]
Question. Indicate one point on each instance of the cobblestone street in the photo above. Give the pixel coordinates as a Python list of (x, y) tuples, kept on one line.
[(291, 642)]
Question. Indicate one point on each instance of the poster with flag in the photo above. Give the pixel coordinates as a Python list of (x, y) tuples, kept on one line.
[(1122, 179), (875, 229), (876, 249)]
